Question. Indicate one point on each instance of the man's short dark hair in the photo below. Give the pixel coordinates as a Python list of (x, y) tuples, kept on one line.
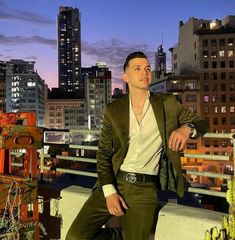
[(131, 56)]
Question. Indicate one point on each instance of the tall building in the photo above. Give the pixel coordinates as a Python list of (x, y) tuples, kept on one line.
[(98, 92), (210, 51), (160, 62), (25, 90), (69, 50), (2, 86), (203, 75)]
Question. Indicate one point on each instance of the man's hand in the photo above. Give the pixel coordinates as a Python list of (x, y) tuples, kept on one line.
[(115, 204), (179, 138)]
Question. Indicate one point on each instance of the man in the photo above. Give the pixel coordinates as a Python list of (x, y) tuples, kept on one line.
[(139, 146)]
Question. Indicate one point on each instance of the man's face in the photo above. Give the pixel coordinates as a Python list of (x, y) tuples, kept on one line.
[(138, 73)]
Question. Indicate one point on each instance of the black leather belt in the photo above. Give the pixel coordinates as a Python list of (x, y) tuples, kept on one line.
[(137, 177)]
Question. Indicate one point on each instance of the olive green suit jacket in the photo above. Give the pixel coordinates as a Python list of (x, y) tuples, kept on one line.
[(114, 139)]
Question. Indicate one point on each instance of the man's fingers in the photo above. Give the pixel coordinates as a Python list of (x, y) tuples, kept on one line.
[(114, 204), (123, 203)]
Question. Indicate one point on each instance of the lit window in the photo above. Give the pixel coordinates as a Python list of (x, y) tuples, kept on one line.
[(230, 42), (205, 54), (206, 98), (213, 54), (230, 53), (215, 109), (232, 109), (223, 109), (221, 53)]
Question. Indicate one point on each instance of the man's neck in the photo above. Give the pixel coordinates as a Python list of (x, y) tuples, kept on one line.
[(138, 97)]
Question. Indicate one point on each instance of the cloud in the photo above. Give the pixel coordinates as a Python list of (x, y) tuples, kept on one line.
[(20, 40), (10, 13), (114, 53), (34, 58)]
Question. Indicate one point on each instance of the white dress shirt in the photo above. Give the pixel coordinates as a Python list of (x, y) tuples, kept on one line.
[(145, 145)]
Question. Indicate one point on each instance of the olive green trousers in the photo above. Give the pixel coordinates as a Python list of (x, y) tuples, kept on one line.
[(137, 221)]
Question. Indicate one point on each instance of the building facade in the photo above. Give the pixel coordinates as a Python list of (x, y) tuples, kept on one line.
[(160, 62), (25, 90), (211, 54), (98, 92), (69, 50), (65, 113), (2, 86), (205, 51)]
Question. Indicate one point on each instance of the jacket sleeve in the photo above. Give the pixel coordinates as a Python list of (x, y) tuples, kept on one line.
[(185, 116), (105, 152)]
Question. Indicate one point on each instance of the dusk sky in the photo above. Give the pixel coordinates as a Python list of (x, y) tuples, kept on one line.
[(110, 29)]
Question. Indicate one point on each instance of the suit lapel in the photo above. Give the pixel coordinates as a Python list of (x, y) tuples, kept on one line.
[(123, 119), (157, 105)]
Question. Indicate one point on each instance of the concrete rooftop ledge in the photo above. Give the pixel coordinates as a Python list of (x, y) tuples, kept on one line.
[(174, 221)]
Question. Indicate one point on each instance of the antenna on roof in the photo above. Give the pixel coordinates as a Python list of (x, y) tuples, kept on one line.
[(162, 38)]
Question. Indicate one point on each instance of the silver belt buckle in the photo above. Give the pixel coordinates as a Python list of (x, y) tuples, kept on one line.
[(131, 177)]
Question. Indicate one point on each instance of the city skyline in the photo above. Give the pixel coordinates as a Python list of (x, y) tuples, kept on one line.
[(109, 31)]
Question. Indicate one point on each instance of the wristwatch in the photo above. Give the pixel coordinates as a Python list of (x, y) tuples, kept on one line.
[(192, 128)]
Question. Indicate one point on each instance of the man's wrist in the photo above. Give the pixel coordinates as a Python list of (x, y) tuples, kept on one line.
[(192, 129), (108, 190)]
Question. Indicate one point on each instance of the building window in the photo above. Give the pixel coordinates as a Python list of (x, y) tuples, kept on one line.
[(215, 109), (221, 53), (205, 54), (214, 98), (206, 109), (175, 56), (190, 86), (215, 121), (205, 64), (224, 121), (206, 76), (213, 43), (213, 54), (232, 86), (222, 64), (224, 143), (192, 109), (232, 98), (207, 143), (191, 145), (232, 120), (223, 87), (214, 64), (206, 87), (231, 75), (206, 98), (223, 109), (216, 143), (223, 98), (232, 109), (230, 42), (231, 64), (214, 75), (215, 87), (230, 53), (222, 42), (223, 75), (205, 43), (191, 98)]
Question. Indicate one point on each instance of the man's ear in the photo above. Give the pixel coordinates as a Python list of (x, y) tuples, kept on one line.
[(125, 78)]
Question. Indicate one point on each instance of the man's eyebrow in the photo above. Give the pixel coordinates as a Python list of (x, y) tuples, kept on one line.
[(138, 65)]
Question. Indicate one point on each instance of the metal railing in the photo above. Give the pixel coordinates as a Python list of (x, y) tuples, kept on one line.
[(230, 136)]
